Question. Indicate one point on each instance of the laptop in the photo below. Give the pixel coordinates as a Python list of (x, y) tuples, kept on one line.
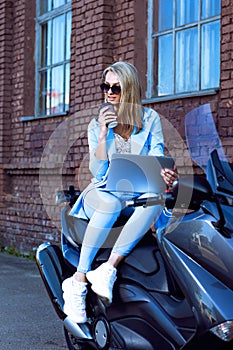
[(133, 173)]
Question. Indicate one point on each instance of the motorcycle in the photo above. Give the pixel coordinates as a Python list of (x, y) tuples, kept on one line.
[(175, 289)]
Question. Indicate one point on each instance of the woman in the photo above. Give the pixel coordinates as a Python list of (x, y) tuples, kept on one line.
[(138, 131)]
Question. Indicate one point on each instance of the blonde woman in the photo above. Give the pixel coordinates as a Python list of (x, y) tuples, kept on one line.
[(138, 131)]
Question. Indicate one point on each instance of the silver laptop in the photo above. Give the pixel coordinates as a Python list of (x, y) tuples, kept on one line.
[(136, 173)]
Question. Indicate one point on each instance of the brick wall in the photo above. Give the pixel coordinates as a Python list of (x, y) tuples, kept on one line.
[(31, 172), (24, 222), (6, 45), (225, 120)]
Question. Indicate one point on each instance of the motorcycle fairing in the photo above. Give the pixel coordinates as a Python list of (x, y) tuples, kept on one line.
[(210, 299), (52, 269), (202, 242)]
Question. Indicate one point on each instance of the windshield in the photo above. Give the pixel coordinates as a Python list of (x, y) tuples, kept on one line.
[(202, 136)]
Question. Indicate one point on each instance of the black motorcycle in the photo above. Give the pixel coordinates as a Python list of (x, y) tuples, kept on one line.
[(175, 289)]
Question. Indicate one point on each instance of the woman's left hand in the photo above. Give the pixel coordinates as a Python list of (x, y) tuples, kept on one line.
[(169, 176)]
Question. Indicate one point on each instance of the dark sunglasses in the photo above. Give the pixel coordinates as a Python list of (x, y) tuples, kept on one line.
[(116, 89)]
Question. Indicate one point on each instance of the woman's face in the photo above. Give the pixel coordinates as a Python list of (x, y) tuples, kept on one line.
[(112, 80)]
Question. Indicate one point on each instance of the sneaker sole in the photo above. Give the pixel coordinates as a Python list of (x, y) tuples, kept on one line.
[(74, 318), (96, 290)]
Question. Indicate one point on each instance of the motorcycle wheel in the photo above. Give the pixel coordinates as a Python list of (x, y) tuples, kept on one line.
[(75, 344)]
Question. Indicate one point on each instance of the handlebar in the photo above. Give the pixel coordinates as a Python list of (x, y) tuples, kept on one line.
[(166, 199), (198, 189), (67, 196)]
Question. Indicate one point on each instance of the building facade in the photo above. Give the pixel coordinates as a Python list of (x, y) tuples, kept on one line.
[(52, 57)]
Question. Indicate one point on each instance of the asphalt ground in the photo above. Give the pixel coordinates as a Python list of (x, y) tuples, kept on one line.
[(28, 320)]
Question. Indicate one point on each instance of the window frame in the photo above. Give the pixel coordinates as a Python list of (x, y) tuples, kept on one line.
[(40, 20), (150, 96)]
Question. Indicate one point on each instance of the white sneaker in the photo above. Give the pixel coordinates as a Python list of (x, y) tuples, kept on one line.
[(102, 280), (74, 295)]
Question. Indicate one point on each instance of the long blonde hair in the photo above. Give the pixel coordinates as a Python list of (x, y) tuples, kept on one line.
[(130, 108)]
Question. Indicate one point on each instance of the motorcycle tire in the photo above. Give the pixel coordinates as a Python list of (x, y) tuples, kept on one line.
[(75, 344)]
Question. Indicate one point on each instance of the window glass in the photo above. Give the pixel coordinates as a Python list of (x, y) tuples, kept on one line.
[(165, 65), (58, 39), (45, 92), (184, 35), (57, 90), (46, 44), (45, 6), (68, 34), (165, 14), (210, 66), (186, 61), (210, 8), (53, 58), (186, 12), (49, 5), (67, 87), (57, 3)]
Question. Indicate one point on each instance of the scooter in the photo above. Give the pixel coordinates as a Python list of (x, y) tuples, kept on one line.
[(175, 289)]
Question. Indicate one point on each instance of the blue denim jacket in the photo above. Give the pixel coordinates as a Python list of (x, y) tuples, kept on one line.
[(149, 141)]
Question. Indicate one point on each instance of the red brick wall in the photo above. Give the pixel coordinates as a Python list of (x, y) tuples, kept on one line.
[(102, 32), (24, 222), (6, 46), (225, 120)]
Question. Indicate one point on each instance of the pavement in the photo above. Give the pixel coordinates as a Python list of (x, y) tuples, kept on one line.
[(28, 320)]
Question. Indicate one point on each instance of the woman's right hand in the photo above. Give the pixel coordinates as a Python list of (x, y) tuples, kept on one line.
[(101, 149), (103, 125), (107, 115)]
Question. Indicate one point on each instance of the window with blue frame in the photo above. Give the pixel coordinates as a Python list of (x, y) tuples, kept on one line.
[(183, 47), (53, 57)]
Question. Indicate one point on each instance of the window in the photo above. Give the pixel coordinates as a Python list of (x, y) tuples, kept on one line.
[(53, 57), (183, 47)]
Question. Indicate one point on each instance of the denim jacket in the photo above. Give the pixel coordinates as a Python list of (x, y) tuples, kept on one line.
[(149, 141)]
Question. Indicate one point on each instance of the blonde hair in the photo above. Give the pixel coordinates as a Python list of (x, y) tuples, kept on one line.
[(130, 109)]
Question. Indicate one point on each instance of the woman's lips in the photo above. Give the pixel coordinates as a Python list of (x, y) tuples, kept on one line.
[(110, 98)]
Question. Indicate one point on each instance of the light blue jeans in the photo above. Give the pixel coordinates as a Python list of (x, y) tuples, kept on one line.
[(103, 209)]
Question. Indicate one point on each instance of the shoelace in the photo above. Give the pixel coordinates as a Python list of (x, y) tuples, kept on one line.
[(79, 302), (79, 298)]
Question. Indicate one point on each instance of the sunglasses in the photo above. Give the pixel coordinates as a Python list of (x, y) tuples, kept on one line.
[(116, 89)]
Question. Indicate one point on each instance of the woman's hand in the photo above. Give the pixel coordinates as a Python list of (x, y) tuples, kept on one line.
[(107, 115), (169, 176)]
